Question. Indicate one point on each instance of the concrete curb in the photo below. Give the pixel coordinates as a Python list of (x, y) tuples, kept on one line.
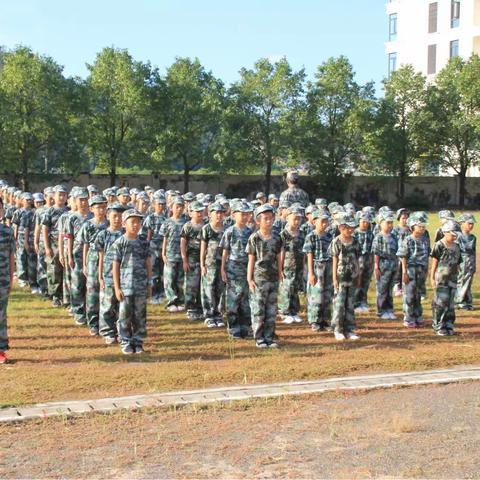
[(227, 394)]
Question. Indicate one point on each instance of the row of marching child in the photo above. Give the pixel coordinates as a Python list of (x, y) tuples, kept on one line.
[(230, 261)]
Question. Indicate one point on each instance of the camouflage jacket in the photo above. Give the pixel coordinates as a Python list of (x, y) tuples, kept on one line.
[(292, 245), (234, 241), (7, 248), (365, 239), (212, 239), (318, 245), (348, 268), (295, 195), (191, 233), (103, 243), (265, 251), (171, 231), (449, 259), (386, 247), (415, 251)]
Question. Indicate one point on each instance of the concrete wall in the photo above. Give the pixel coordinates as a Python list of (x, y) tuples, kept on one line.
[(425, 192)]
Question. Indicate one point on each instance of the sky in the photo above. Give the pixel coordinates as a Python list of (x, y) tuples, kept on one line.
[(225, 35)]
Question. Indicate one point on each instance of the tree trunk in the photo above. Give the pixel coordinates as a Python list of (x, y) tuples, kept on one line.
[(462, 186), (186, 178), (268, 176), (24, 178), (113, 172), (401, 185)]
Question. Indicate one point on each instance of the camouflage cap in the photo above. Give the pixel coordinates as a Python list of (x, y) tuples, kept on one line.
[(294, 210), (310, 209), (362, 215), (123, 191), (264, 209), (93, 189), (38, 197), (446, 214), (285, 204), (467, 218), (346, 219), (402, 211), (451, 226), (216, 207), (321, 214), (158, 198), (385, 217), (243, 207), (148, 188), (272, 196), (48, 190), (416, 220), (97, 200), (134, 191), (196, 206), (116, 206), (80, 193), (321, 202), (60, 189), (27, 196), (131, 212), (292, 176), (189, 197), (143, 196), (208, 198), (178, 201), (260, 195)]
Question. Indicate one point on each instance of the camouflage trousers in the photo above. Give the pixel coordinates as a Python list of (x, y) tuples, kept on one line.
[(78, 290), (423, 282), (157, 274), (263, 305), (67, 279), (212, 289), (412, 303), (384, 290), (237, 306), (192, 288), (343, 316), (3, 319), (108, 315), (132, 319), (288, 290), (173, 282), (42, 271), (319, 297), (55, 275), (397, 279), (443, 308), (27, 266), (366, 269), (92, 297), (466, 272)]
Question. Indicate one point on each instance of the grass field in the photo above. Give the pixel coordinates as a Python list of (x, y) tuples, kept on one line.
[(53, 359)]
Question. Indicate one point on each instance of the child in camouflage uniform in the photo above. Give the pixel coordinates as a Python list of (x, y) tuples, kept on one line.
[(234, 272), (103, 244), (40, 209), (446, 258), (154, 223), (190, 251), (88, 234), (345, 251), (364, 235), (132, 273), (210, 264), (414, 252), (7, 265), (173, 276), (292, 267), (385, 247), (263, 274), (319, 286), (400, 231), (468, 246)]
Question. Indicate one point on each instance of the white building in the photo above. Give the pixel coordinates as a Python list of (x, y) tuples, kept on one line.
[(426, 34)]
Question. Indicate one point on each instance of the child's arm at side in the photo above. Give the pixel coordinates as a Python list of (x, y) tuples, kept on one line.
[(376, 259), (183, 251), (203, 254), (334, 272), (100, 270), (251, 265), (280, 265), (433, 270), (224, 264), (311, 274), (116, 280)]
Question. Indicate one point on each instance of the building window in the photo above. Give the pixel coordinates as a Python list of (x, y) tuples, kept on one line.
[(392, 63), (432, 60), (455, 13), (432, 17), (454, 48), (392, 29)]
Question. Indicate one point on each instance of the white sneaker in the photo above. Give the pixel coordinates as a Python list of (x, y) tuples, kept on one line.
[(297, 319), (366, 309), (392, 316), (172, 309), (339, 336), (180, 308), (288, 319), (385, 316), (352, 336), (358, 310)]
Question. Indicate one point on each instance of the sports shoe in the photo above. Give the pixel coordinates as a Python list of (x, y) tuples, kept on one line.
[(273, 345), (339, 336), (470, 308), (420, 324), (297, 319), (236, 336), (358, 310), (110, 340), (392, 316), (451, 332), (172, 308), (127, 349), (180, 308), (94, 331), (3, 358), (210, 323), (288, 319), (261, 344), (80, 321), (139, 349), (34, 290), (56, 303), (442, 333), (423, 297), (385, 316), (409, 324), (352, 336), (315, 327), (219, 322), (22, 283)]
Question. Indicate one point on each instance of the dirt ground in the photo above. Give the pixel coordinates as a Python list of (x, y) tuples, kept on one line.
[(424, 432)]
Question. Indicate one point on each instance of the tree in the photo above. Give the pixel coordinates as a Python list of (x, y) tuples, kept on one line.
[(34, 109), (399, 139), (118, 110), (190, 118), (455, 107), (259, 121), (336, 119)]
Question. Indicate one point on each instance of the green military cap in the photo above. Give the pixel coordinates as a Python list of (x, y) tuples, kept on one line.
[(60, 188), (143, 196), (321, 202), (321, 214), (216, 207), (346, 219), (123, 191), (178, 200), (416, 220), (131, 212), (362, 215), (310, 209), (81, 193), (402, 211), (93, 189), (451, 226), (189, 197), (266, 207), (296, 211), (467, 218), (445, 214), (116, 206), (196, 206), (243, 207)]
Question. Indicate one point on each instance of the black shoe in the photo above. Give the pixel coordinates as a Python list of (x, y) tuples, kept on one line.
[(237, 336), (315, 327), (56, 303), (261, 344)]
